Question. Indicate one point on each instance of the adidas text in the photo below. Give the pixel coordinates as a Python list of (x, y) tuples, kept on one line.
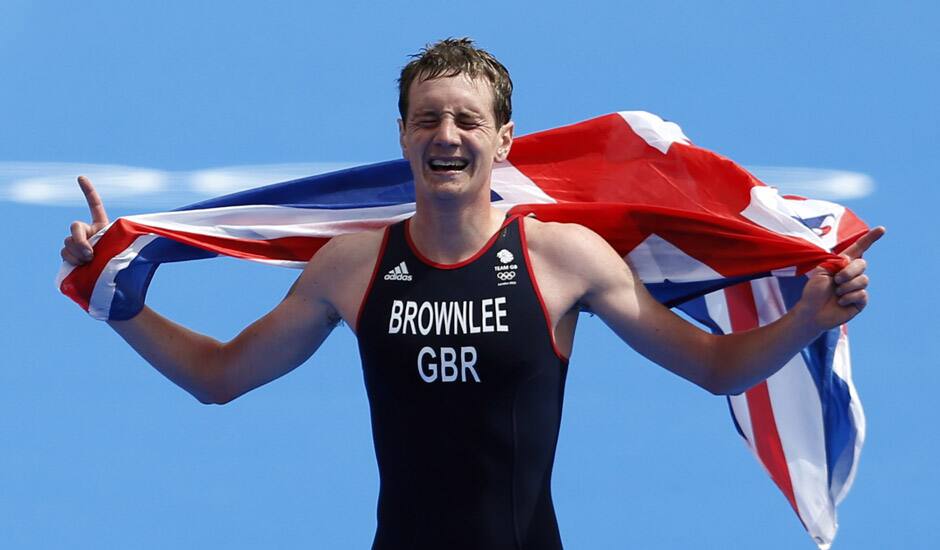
[(400, 273)]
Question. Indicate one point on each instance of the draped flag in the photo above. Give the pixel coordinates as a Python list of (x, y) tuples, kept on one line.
[(805, 423), (701, 232)]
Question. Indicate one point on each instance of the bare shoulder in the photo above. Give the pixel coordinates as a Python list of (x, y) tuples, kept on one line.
[(349, 250), (576, 262), (567, 246), (341, 265)]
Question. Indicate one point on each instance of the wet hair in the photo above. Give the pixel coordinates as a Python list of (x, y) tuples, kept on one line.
[(452, 57)]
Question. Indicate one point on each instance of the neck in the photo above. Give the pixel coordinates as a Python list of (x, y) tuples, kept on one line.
[(450, 232)]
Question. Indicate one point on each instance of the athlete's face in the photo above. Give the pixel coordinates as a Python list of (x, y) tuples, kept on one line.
[(450, 137)]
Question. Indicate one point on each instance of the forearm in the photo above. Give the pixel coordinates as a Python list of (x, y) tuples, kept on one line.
[(215, 372), (738, 361), (189, 359), (211, 371)]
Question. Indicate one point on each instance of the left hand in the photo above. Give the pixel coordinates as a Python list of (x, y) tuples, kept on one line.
[(830, 300)]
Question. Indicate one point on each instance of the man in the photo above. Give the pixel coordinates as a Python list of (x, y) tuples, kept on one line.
[(465, 320)]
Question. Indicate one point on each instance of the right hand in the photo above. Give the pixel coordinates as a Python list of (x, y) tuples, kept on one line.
[(77, 249)]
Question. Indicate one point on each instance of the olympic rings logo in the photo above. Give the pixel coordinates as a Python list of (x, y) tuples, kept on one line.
[(506, 275)]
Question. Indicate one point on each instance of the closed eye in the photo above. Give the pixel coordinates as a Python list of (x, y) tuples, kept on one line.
[(469, 122)]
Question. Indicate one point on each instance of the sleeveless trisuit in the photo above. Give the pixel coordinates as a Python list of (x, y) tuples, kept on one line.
[(465, 386)]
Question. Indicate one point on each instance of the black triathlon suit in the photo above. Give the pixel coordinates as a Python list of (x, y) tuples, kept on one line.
[(465, 386)]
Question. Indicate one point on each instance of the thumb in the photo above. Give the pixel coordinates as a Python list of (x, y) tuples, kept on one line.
[(817, 290), (831, 266), (823, 270)]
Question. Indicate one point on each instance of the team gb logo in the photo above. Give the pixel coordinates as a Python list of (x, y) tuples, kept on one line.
[(505, 256)]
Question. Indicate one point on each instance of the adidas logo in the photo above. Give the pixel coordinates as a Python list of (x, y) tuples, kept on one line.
[(400, 273)]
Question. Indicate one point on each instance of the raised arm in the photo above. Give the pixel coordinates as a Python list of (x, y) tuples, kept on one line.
[(216, 372), (721, 364)]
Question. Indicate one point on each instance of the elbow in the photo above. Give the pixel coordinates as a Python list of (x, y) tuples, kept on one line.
[(206, 400), (724, 389), (723, 373), (715, 386), (213, 387), (717, 380), (720, 383), (212, 400), (711, 378), (212, 397)]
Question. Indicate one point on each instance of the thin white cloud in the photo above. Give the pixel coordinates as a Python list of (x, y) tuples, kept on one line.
[(220, 181), (816, 183), (53, 183)]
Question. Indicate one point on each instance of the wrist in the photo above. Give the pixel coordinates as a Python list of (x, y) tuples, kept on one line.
[(803, 323)]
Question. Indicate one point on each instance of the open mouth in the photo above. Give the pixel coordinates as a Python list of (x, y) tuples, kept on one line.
[(454, 164)]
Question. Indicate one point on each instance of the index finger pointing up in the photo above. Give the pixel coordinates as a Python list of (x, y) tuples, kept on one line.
[(95, 206), (864, 243)]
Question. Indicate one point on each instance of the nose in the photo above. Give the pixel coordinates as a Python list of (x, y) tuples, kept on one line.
[(447, 133)]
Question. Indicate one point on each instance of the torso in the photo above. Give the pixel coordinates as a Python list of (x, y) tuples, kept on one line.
[(465, 382), (355, 265)]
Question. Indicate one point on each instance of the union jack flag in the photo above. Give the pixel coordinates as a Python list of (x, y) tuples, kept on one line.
[(702, 233)]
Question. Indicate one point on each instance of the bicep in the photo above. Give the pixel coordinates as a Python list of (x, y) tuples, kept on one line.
[(279, 342), (621, 300)]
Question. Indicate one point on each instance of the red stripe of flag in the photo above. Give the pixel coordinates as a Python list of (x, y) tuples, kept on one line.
[(80, 283), (742, 311), (293, 249)]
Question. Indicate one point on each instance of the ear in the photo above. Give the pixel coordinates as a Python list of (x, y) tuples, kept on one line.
[(401, 137), (504, 137)]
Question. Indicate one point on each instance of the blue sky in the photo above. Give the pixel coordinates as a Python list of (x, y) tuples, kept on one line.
[(100, 451)]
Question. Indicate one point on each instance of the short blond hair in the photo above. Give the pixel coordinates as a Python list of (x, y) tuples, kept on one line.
[(452, 57)]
